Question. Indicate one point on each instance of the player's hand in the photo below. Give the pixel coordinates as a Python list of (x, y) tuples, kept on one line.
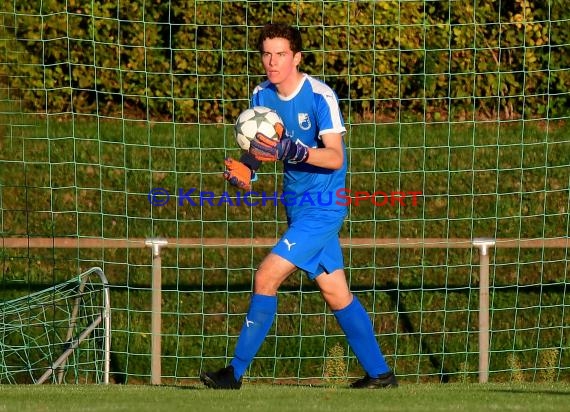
[(263, 148), (269, 150), (238, 174)]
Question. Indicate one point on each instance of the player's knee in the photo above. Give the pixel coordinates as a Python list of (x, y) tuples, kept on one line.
[(338, 301), (265, 284)]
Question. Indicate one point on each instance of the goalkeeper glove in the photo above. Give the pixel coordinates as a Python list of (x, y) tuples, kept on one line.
[(269, 150), (241, 173)]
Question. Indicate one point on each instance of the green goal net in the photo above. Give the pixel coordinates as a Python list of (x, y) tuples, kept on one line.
[(457, 116)]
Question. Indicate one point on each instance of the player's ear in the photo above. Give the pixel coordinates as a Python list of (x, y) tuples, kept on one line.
[(297, 58)]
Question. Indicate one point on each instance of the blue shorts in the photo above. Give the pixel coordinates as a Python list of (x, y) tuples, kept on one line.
[(312, 244)]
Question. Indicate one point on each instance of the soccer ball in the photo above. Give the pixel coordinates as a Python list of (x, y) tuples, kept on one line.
[(254, 120)]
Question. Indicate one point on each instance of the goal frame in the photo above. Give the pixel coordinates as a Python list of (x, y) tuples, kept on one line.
[(72, 342)]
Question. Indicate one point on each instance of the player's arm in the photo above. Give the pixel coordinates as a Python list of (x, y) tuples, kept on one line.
[(329, 157)]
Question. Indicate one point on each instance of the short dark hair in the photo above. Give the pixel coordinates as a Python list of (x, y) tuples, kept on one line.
[(281, 30)]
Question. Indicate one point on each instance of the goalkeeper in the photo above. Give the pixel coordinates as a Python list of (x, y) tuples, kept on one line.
[(313, 152)]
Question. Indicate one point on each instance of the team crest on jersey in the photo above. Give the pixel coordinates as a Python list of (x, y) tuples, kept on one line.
[(304, 121)]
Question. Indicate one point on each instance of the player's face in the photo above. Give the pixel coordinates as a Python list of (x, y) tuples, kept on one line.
[(279, 62)]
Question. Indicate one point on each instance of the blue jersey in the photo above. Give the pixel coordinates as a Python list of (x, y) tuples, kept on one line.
[(310, 112)]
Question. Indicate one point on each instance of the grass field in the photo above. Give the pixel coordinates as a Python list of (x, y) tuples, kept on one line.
[(86, 176), (253, 398)]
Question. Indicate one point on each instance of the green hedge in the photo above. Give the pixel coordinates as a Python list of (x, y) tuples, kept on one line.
[(196, 62)]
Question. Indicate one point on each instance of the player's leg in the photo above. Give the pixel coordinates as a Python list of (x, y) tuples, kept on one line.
[(300, 247), (334, 289), (272, 271), (355, 322)]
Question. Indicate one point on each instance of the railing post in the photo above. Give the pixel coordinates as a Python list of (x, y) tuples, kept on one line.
[(483, 244), (156, 309)]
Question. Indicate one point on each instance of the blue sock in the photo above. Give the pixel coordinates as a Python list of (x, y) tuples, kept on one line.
[(357, 327), (257, 323)]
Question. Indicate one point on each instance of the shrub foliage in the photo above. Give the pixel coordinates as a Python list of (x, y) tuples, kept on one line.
[(197, 61)]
